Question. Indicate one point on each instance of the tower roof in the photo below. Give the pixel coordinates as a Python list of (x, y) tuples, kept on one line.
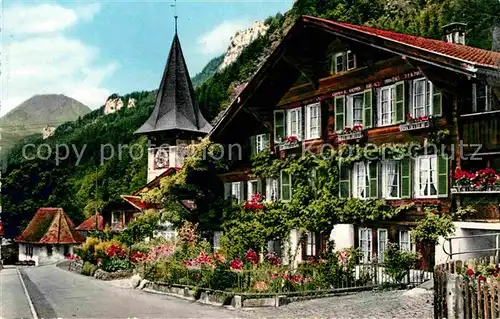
[(176, 107)]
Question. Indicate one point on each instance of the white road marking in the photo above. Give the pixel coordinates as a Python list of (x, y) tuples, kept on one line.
[(32, 307)]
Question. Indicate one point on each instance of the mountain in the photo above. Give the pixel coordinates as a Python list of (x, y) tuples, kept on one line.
[(37, 113), (207, 72)]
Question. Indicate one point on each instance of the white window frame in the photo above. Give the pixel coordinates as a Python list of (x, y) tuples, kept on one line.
[(349, 118), (282, 184), (488, 98), (253, 187), (392, 105), (313, 125), (311, 244), (260, 144), (385, 179), (113, 214), (366, 255), (348, 56), (342, 62), (349, 53), (407, 245), (216, 242), (236, 191), (427, 98), (272, 190), (419, 169), (382, 245), (28, 251), (277, 139), (294, 115), (356, 185)]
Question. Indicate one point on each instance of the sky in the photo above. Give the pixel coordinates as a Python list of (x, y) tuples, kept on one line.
[(89, 50)]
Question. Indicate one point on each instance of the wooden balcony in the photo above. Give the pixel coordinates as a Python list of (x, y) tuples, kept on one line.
[(481, 129)]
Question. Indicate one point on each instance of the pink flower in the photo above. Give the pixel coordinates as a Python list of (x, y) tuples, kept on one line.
[(236, 265), (251, 256)]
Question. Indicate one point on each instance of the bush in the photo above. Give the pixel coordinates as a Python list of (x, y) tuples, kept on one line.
[(88, 269), (170, 271), (112, 265), (399, 262), (87, 251)]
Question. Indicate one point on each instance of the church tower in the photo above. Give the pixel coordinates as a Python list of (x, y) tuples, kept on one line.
[(176, 119)]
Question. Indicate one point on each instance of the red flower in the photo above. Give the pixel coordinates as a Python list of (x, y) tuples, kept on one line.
[(272, 259), (137, 257), (236, 265), (251, 256), (481, 278), (470, 272)]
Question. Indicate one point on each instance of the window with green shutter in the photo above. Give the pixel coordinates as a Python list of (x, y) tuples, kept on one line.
[(443, 163), (339, 113), (437, 102), (285, 186), (367, 109), (344, 181), (400, 102), (405, 178), (279, 125), (253, 145), (373, 171)]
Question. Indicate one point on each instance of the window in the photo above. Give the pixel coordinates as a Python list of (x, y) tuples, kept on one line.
[(365, 243), (271, 189), (426, 176), (28, 250), (390, 179), (49, 250), (387, 110), (344, 61), (236, 191), (360, 180), (382, 243), (354, 109), (260, 143), (274, 246), (279, 125), (217, 236), (286, 186), (115, 218), (313, 121), (294, 122), (405, 240), (253, 188), (483, 99), (311, 244), (422, 98)]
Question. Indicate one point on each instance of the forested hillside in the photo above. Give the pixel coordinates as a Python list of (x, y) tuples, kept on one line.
[(87, 185)]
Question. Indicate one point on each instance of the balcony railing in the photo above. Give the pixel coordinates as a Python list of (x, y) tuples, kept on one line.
[(481, 129)]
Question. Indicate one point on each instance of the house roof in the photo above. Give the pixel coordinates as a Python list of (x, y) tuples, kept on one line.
[(299, 53), (451, 50), (50, 225), (1, 228), (176, 107), (90, 223)]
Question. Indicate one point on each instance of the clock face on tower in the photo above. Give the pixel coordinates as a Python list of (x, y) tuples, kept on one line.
[(161, 158)]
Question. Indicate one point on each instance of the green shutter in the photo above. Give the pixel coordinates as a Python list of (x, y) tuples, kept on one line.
[(400, 102), (437, 102), (442, 175), (344, 181), (279, 125), (373, 170), (367, 109), (286, 186), (405, 178), (253, 145), (339, 113)]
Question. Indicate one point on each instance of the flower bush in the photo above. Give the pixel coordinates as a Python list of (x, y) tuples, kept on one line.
[(410, 119), (356, 128), (255, 203), (290, 139), (479, 180)]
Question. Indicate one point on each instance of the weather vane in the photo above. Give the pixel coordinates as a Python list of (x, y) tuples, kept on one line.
[(175, 13)]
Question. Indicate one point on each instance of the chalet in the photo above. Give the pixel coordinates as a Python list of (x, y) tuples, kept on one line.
[(175, 122), (332, 82), (93, 223), (49, 237)]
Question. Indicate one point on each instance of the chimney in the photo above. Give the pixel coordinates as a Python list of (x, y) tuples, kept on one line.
[(454, 32)]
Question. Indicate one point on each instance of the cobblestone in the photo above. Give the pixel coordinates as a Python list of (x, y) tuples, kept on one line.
[(369, 304)]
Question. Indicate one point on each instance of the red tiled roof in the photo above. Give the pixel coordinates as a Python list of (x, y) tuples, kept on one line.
[(1, 228), (135, 201), (90, 224), (457, 51), (50, 226)]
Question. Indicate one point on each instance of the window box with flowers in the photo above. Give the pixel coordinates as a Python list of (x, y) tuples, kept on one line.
[(289, 143), (415, 123), (483, 181), (348, 133)]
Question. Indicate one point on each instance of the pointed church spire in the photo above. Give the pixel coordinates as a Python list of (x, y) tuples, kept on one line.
[(176, 107)]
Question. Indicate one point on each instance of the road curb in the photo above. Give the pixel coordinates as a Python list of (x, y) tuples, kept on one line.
[(30, 302)]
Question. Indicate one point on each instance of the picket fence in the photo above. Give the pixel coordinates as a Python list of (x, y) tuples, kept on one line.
[(457, 295)]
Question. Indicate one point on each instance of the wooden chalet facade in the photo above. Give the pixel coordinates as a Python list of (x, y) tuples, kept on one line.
[(332, 82)]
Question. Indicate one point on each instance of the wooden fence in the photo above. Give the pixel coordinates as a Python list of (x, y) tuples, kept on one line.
[(462, 294)]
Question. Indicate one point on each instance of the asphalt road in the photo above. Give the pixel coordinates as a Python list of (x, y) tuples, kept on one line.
[(57, 293)]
